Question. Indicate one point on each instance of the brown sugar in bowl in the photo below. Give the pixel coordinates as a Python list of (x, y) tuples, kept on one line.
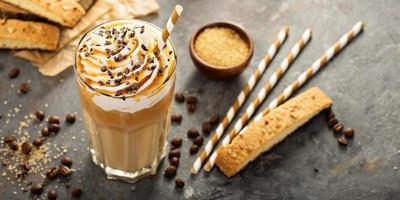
[(221, 72)]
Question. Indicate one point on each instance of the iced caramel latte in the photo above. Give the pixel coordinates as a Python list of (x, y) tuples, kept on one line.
[(126, 88)]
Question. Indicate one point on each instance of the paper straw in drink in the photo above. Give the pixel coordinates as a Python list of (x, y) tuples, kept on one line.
[(240, 99), (166, 32)]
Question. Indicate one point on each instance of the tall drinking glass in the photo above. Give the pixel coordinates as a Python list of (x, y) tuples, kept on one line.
[(126, 89)]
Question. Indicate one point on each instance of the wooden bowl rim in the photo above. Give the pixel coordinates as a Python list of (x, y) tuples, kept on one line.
[(237, 28)]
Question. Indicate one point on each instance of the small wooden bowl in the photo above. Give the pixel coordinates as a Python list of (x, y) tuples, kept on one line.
[(218, 72)]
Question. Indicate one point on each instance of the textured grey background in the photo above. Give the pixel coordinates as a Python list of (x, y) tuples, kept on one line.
[(363, 81)]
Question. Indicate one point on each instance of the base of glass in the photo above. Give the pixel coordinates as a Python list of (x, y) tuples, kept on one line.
[(130, 177)]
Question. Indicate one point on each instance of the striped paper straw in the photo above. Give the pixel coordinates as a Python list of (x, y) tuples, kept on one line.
[(240, 99), (166, 32), (310, 71), (297, 48)]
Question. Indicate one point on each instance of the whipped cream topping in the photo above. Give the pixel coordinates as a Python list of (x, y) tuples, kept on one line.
[(119, 59)]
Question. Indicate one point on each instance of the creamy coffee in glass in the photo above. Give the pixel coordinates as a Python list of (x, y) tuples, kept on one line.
[(126, 89)]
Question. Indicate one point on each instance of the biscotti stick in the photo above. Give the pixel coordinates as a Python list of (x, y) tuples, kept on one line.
[(64, 12), (271, 129), (18, 34)]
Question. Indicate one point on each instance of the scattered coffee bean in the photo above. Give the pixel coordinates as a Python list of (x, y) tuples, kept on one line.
[(176, 118), (52, 173), (332, 122), (37, 189), (67, 161), (174, 162), (13, 145), (342, 141), (198, 140), (26, 148), (25, 167), (76, 192), (54, 120), (213, 120), (179, 97), (349, 132), (9, 139), (330, 115), (206, 127), (170, 171), (191, 107), (45, 132), (174, 153), (338, 128), (179, 183), (176, 142), (193, 133), (39, 115), (70, 118), (64, 170), (194, 149), (37, 142), (13, 73), (54, 128), (52, 194), (191, 100), (24, 88)]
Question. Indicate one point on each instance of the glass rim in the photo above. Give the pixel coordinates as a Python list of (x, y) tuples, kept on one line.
[(80, 79)]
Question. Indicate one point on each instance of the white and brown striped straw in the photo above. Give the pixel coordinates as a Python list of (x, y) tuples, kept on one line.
[(313, 69), (262, 94), (166, 32), (240, 99)]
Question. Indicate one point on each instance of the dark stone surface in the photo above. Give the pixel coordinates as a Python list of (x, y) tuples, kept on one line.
[(363, 81)]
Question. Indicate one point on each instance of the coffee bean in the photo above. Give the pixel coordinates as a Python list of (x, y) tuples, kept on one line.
[(332, 122), (198, 140), (193, 133), (179, 97), (206, 127), (174, 153), (330, 115), (13, 73), (191, 107), (9, 139), (170, 171), (26, 148), (194, 149), (25, 167), (191, 100), (67, 161), (342, 141), (349, 132), (37, 189), (13, 145), (52, 173), (64, 170), (54, 128), (338, 128), (213, 120), (37, 142), (52, 194), (70, 118), (39, 115), (54, 120), (176, 142), (76, 192), (179, 183), (176, 118), (24, 88), (174, 162), (45, 132)]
